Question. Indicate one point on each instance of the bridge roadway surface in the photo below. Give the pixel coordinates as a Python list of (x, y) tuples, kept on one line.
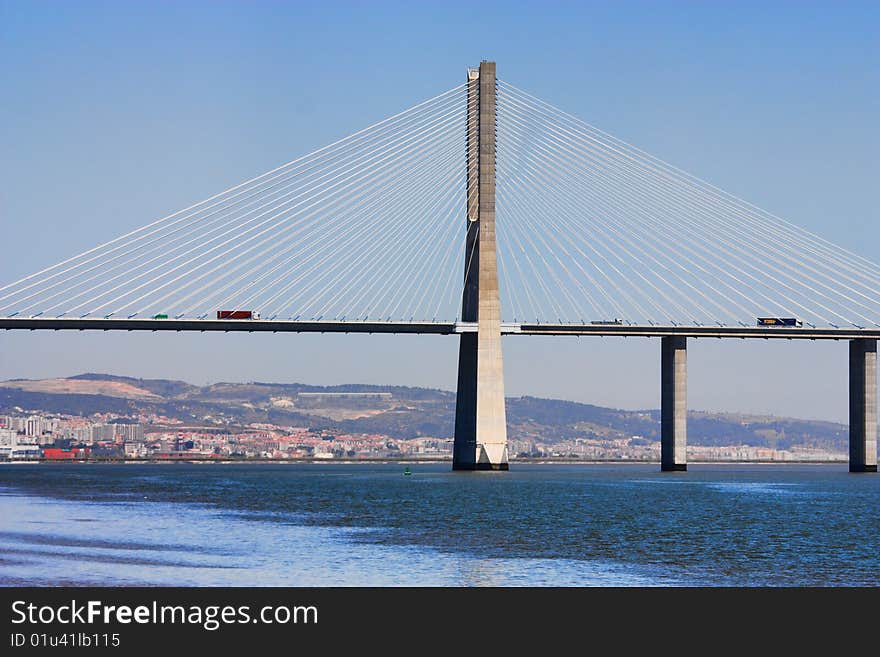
[(436, 328)]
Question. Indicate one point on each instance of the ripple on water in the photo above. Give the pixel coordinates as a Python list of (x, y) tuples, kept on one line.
[(368, 525)]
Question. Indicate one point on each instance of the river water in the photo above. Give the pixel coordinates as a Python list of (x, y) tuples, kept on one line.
[(540, 525)]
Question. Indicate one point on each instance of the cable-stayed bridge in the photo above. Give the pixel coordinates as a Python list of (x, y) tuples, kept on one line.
[(483, 211)]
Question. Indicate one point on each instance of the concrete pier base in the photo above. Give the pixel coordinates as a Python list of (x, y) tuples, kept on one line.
[(480, 422), (863, 405), (673, 404)]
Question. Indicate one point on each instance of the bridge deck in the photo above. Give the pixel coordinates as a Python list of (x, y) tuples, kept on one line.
[(693, 331), (429, 328)]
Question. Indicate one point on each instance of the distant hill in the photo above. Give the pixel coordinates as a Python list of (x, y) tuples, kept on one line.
[(86, 386), (161, 387), (406, 412)]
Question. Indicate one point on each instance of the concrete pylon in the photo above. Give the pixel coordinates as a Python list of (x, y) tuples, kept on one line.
[(480, 419), (863, 405), (673, 404)]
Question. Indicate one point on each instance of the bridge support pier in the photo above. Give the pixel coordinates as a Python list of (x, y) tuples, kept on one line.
[(480, 418), (673, 404), (863, 405)]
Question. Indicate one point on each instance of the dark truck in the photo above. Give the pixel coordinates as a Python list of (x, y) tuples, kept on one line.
[(237, 314), (779, 321)]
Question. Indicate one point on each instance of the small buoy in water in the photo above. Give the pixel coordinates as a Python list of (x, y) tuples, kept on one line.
[(407, 472)]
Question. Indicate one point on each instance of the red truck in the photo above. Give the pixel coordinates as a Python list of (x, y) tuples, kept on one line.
[(237, 314)]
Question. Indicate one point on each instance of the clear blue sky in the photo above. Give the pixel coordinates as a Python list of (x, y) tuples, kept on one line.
[(116, 113)]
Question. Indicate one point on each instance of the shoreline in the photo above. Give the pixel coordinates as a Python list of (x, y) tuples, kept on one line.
[(385, 461)]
